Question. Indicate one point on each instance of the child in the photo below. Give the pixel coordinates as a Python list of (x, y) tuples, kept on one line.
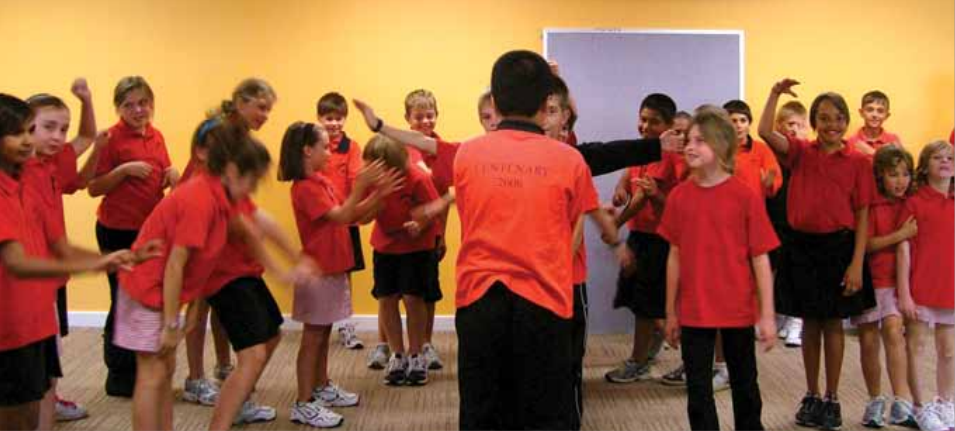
[(893, 174), (243, 303), (194, 223), (791, 122), (515, 299), (715, 210), (343, 165), (28, 351), (131, 174), (644, 290), (823, 276), (57, 160), (248, 109), (755, 164), (323, 229), (926, 285), (405, 262), (872, 136), (487, 113), (421, 113)]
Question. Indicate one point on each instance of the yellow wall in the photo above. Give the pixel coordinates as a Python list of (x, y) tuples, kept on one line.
[(193, 53)]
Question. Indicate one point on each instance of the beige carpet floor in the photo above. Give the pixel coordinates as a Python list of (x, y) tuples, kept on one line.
[(646, 406)]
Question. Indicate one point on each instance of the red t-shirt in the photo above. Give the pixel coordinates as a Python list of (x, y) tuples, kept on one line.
[(883, 220), (718, 230), (933, 248), (389, 235), (195, 215), (825, 190), (751, 161), (342, 167), (26, 305), (885, 138), (519, 194), (43, 198), (648, 217), (236, 259), (127, 206), (325, 241)]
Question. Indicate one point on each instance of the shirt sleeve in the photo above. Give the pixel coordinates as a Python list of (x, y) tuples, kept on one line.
[(584, 195), (760, 233), (604, 158), (66, 176), (794, 154), (309, 198), (194, 218), (164, 161), (424, 190), (669, 227)]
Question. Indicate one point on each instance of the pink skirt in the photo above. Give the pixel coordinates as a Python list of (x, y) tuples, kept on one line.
[(887, 304), (323, 301), (935, 316), (138, 328)]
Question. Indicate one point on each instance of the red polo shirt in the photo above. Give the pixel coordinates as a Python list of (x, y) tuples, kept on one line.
[(325, 241), (883, 220), (933, 248), (343, 165), (884, 138), (389, 235), (648, 217), (26, 305), (825, 190), (751, 161), (127, 206), (195, 215), (236, 259)]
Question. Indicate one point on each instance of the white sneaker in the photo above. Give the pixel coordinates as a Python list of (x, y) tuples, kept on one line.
[(65, 411), (331, 395), (253, 413), (378, 357), (929, 418), (431, 355), (782, 322), (348, 338), (946, 412), (315, 415), (200, 391), (721, 379), (794, 332)]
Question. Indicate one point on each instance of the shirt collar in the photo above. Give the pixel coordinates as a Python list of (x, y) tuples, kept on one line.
[(520, 125), (125, 129)]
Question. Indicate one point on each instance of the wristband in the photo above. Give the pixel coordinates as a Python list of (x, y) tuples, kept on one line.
[(378, 126)]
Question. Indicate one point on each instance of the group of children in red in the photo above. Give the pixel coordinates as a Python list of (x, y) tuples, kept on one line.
[(705, 266)]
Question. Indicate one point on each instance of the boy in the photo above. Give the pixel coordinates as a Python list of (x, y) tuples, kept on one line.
[(872, 136), (343, 164), (514, 299)]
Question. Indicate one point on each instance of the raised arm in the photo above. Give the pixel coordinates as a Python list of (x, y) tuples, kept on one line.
[(415, 139), (777, 141), (87, 131)]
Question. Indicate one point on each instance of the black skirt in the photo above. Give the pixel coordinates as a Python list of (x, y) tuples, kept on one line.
[(809, 281), (644, 291)]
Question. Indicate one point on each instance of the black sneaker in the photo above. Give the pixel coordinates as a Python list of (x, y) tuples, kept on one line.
[(397, 370), (809, 411), (831, 419)]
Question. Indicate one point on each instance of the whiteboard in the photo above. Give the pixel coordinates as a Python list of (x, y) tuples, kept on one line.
[(609, 72)]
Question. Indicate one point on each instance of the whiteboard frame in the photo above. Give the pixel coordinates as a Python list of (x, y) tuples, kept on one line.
[(742, 42)]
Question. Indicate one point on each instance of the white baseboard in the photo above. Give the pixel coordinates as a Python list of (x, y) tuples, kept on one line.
[(363, 322)]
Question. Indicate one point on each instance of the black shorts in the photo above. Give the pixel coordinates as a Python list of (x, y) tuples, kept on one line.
[(61, 312), (406, 274), (644, 291), (247, 311), (356, 249), (25, 372)]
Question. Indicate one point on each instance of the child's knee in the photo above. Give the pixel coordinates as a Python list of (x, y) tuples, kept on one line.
[(254, 357)]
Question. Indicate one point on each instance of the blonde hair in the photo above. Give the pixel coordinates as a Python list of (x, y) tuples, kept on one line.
[(921, 173), (422, 99), (720, 135), (387, 150), (128, 85), (247, 90)]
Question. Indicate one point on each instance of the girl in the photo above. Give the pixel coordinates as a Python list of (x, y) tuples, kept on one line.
[(56, 158), (131, 174), (893, 174), (323, 229), (28, 353), (248, 109), (822, 277), (405, 262), (926, 285), (243, 303), (194, 223), (717, 211)]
